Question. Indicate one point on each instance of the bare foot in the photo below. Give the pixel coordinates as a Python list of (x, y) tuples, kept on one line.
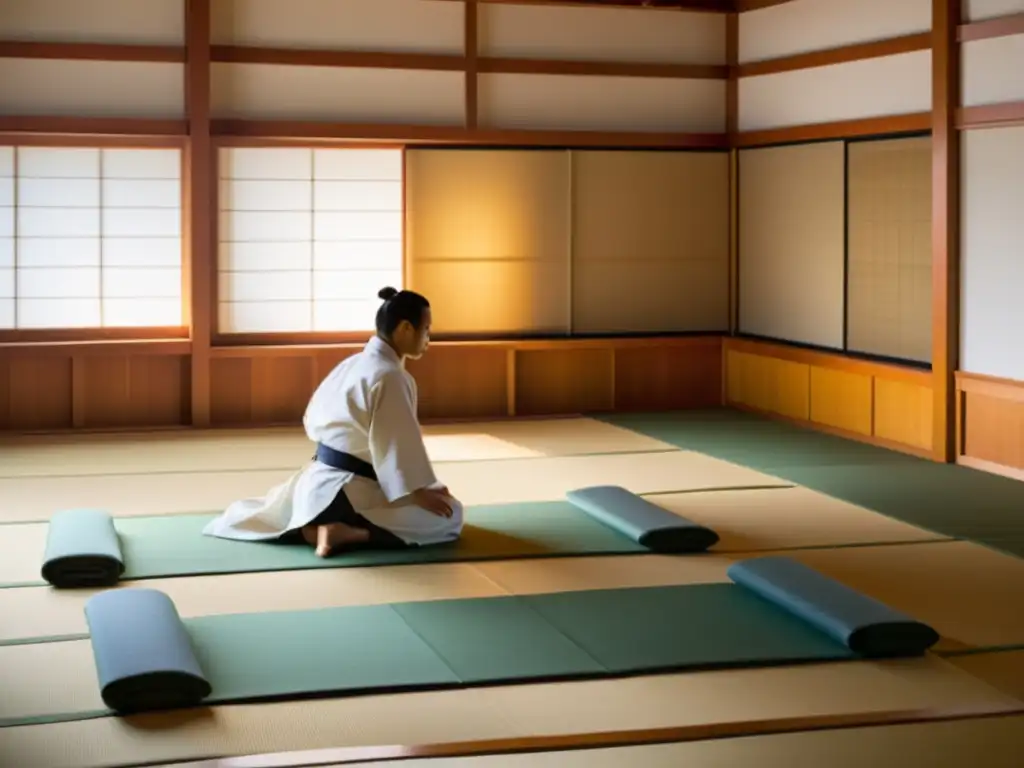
[(326, 538)]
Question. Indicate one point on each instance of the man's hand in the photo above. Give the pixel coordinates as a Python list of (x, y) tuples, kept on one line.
[(435, 500)]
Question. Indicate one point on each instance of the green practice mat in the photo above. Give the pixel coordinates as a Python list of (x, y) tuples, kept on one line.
[(951, 500), (457, 643), (174, 545)]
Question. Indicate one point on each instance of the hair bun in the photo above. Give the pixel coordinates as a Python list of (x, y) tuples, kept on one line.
[(387, 293)]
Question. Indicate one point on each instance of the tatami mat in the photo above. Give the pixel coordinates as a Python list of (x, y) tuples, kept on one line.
[(503, 712), (788, 518), (288, 447), (990, 742), (970, 594), (473, 482), (1001, 669), (748, 521)]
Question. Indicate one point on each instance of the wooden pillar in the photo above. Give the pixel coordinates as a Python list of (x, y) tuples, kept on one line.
[(470, 52), (199, 199), (945, 225)]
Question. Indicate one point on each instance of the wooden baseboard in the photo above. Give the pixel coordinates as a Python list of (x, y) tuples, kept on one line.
[(990, 424)]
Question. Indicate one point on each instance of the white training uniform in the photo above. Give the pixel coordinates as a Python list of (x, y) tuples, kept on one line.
[(365, 407)]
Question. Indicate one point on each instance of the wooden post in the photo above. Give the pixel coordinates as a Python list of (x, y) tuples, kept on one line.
[(199, 200), (945, 225), (470, 52)]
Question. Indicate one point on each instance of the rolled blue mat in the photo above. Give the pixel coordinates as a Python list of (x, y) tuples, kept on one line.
[(82, 550), (865, 625), (645, 523), (143, 652)]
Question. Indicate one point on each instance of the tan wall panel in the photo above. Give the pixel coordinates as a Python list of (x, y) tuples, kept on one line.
[(841, 399), (35, 393), (91, 88), (382, 25), (663, 379), (889, 256), (994, 429), (768, 384), (488, 238), (813, 25), (598, 103), (986, 9), (847, 91), (276, 92), (562, 381), (143, 391), (992, 229), (992, 70), (650, 241), (791, 250), (903, 413), (600, 34), (141, 22), (462, 382)]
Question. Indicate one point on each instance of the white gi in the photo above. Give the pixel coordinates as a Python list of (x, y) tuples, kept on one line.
[(365, 407)]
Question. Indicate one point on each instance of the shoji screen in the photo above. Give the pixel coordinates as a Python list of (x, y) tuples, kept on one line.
[(992, 279), (889, 259), (791, 243), (90, 237), (650, 241), (488, 238), (307, 237)]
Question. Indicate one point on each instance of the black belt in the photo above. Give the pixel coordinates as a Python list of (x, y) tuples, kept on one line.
[(345, 462)]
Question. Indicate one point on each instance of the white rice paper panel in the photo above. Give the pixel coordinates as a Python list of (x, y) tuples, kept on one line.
[(975, 10), (791, 243), (91, 88), (650, 241), (600, 34), (813, 25), (273, 92), (993, 70), (848, 91), (992, 230), (142, 22), (565, 102), (371, 25)]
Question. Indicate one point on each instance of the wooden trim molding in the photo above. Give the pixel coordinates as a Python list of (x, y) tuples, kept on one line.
[(743, 6), (98, 348), (609, 739), (92, 126), (856, 52), (1001, 26), (200, 192), (440, 134), (25, 49), (990, 386), (945, 225), (917, 122), (694, 6), (1006, 114)]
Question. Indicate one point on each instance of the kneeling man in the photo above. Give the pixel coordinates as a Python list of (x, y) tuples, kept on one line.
[(371, 482)]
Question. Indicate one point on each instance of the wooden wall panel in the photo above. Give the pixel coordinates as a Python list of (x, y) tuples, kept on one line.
[(841, 399), (131, 391), (260, 390), (38, 393), (903, 413), (991, 422), (768, 384), (883, 404), (462, 382), (561, 381), (660, 379)]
